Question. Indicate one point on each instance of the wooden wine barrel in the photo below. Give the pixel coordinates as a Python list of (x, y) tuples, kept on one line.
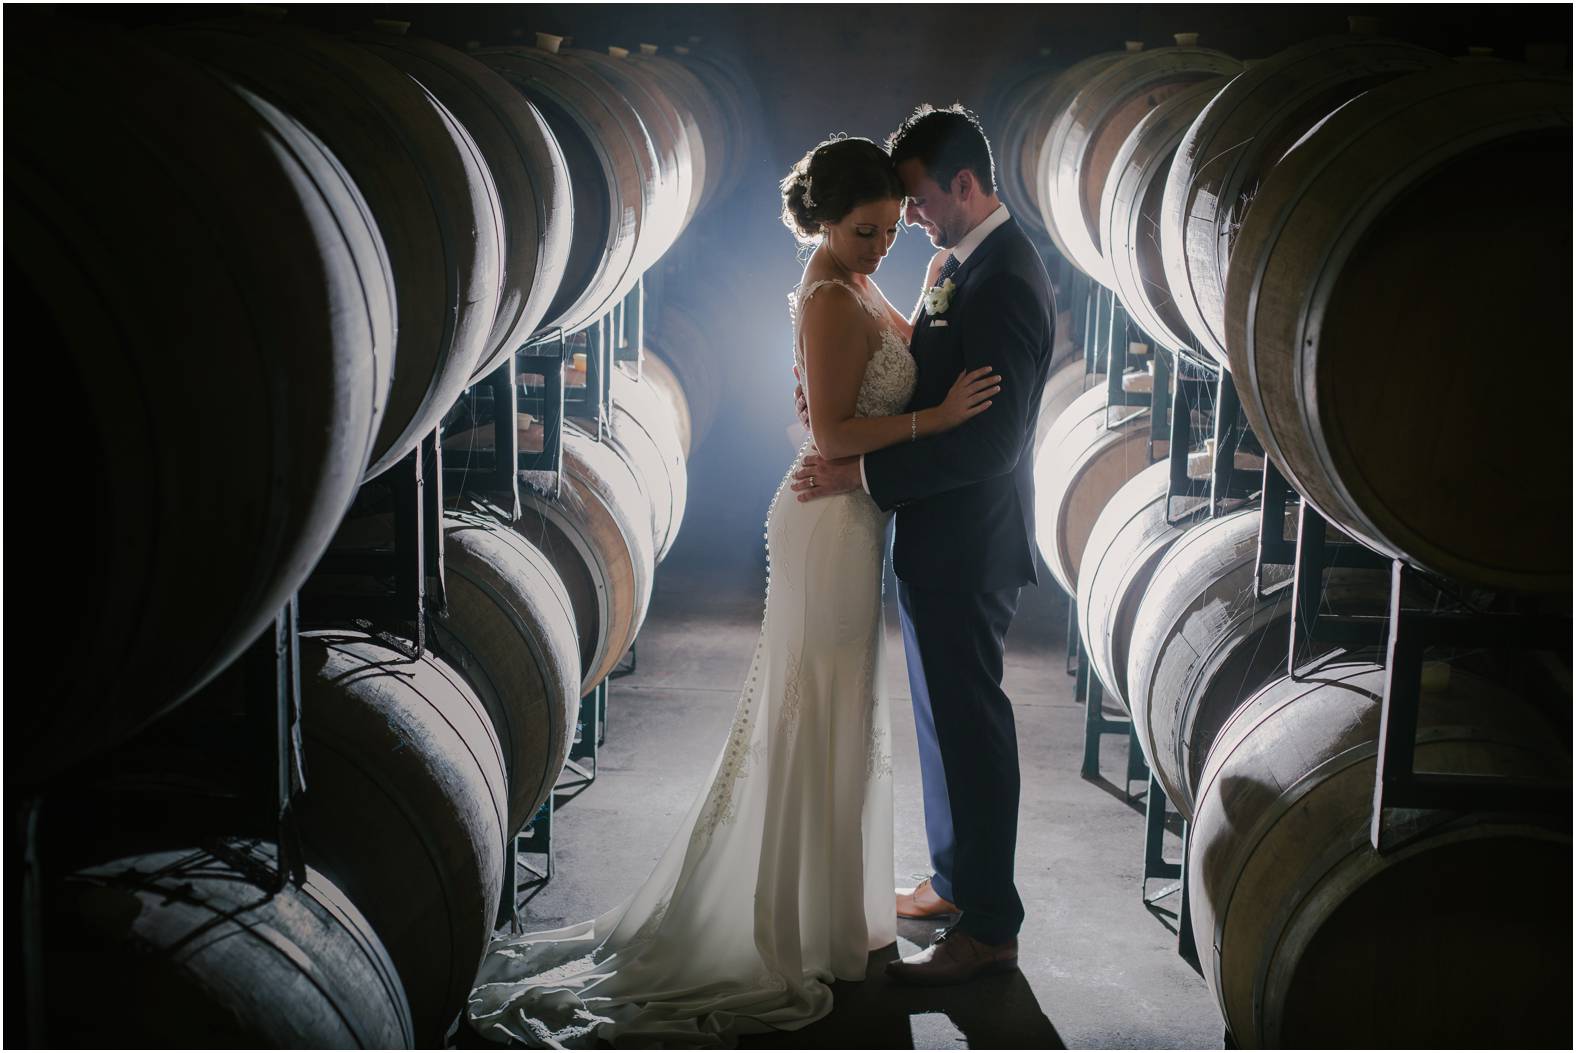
[(670, 142), (1017, 150), (1235, 142), (1127, 543), (597, 535), (1311, 939), (1085, 138), (644, 432), (703, 120), (526, 165), (1204, 640), (1365, 292), (1007, 90), (132, 174), (1080, 465), (1026, 129), (730, 84), (1011, 92), (430, 194), (1130, 215), (406, 809), (660, 375), (612, 167), (202, 957), (1049, 132), (683, 344), (1066, 382), (510, 631)]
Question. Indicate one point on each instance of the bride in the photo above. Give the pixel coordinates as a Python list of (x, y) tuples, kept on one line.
[(779, 879)]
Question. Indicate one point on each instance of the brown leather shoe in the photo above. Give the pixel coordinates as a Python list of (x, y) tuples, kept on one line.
[(955, 958), (923, 903)]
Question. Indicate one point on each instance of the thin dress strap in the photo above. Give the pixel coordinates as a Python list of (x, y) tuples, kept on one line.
[(815, 286), (800, 296)]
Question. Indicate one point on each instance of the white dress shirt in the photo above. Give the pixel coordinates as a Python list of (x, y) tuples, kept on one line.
[(962, 250)]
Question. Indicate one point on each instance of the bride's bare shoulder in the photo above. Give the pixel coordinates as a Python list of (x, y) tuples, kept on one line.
[(828, 304), (813, 285)]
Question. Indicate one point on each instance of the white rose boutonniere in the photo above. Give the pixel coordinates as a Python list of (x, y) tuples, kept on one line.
[(939, 297)]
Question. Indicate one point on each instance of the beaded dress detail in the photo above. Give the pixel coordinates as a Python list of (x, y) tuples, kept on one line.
[(779, 879)]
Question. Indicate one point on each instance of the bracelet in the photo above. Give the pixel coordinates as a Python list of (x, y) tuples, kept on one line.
[(913, 426)]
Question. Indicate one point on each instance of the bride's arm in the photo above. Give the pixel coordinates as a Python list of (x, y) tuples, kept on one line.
[(835, 330)]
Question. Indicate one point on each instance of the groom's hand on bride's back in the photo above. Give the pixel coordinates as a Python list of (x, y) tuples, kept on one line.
[(821, 477), (801, 404)]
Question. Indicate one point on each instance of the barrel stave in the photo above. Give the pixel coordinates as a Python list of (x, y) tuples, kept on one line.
[(509, 629), (1131, 210), (526, 165), (614, 170), (1128, 541), (597, 534), (205, 957), (406, 809), (1080, 464)]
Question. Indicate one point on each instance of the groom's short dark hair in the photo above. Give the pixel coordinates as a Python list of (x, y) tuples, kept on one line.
[(945, 142)]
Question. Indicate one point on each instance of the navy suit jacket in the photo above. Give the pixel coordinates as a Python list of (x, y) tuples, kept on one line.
[(965, 498)]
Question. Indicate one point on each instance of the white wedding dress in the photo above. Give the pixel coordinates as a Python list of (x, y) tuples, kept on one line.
[(779, 879)]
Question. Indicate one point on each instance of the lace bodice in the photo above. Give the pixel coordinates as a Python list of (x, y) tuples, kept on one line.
[(889, 376)]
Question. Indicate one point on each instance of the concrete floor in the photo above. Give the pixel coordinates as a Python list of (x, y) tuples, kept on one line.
[(1098, 968)]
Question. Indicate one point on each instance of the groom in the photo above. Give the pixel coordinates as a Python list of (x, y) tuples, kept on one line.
[(964, 539)]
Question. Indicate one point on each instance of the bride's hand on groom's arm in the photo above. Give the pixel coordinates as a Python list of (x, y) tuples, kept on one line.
[(821, 477), (969, 396)]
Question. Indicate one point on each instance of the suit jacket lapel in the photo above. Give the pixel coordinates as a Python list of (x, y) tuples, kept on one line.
[(992, 240)]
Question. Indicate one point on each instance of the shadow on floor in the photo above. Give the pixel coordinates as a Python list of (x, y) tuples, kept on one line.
[(993, 1012)]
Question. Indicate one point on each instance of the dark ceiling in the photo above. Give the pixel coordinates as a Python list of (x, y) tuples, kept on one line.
[(860, 67)]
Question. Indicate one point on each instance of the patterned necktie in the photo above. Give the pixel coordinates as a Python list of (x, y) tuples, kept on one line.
[(949, 267)]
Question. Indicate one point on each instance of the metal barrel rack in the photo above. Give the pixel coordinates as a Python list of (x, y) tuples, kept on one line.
[(1404, 634), (537, 384), (1196, 389), (1400, 792), (413, 567), (1106, 334), (1183, 386), (265, 792)]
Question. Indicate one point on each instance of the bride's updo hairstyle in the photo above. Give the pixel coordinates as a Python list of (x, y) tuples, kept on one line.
[(832, 180)]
